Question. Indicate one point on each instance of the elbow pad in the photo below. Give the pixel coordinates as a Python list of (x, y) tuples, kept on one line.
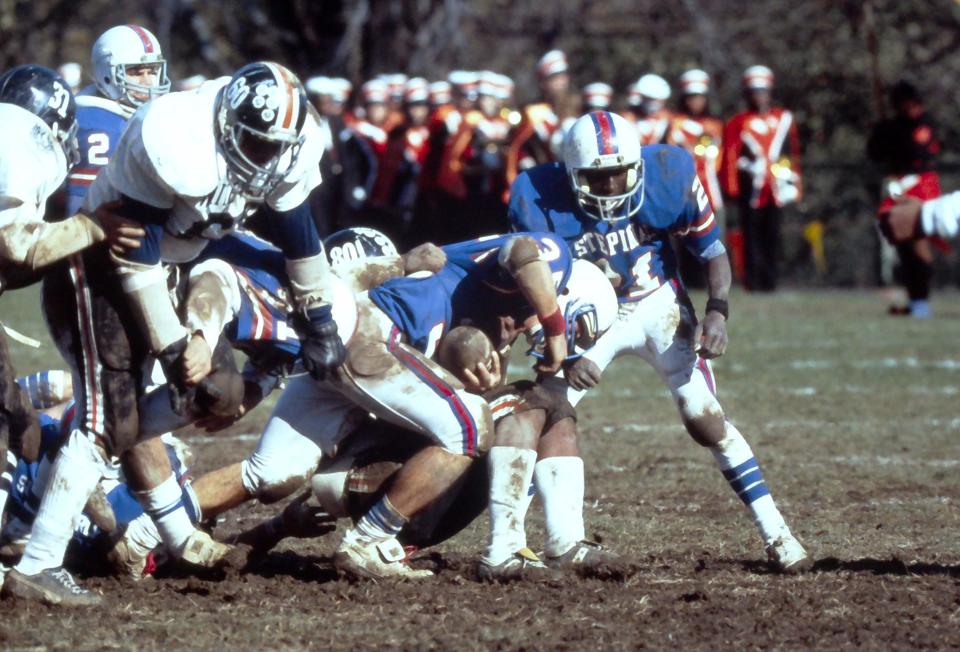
[(517, 253)]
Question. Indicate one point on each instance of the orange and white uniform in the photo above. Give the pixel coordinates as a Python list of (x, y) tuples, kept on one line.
[(765, 149)]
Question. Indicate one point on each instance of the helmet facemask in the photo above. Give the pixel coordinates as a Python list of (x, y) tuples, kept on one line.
[(68, 141), (257, 160), (605, 192)]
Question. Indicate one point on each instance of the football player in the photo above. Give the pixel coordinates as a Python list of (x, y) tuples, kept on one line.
[(910, 218), (520, 454), (189, 167), (616, 205), (497, 282), (528, 420), (128, 71), (113, 528), (37, 148)]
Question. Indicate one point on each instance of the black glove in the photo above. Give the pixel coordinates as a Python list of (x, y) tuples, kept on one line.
[(321, 348), (302, 520), (171, 361)]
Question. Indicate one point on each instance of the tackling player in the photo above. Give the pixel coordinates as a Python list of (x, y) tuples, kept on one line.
[(389, 373), (189, 167), (38, 146), (616, 205)]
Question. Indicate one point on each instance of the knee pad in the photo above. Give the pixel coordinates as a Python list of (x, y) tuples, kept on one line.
[(271, 480)]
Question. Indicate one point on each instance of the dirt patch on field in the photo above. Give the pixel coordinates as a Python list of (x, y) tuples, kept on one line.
[(860, 444)]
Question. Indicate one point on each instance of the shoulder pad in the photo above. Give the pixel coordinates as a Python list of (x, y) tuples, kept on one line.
[(97, 102), (178, 138), (32, 164), (666, 159)]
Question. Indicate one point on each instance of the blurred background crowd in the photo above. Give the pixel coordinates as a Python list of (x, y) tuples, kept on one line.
[(433, 105)]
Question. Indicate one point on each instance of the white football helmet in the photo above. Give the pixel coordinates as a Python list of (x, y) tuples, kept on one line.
[(589, 305), (654, 87), (123, 46), (604, 144)]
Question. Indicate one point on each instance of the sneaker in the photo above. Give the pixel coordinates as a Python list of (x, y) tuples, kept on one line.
[(53, 586), (522, 565), (786, 555), (584, 554), (372, 560), (202, 550), (920, 309)]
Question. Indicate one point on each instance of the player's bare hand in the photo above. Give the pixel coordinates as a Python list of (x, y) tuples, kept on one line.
[(122, 234), (583, 374), (427, 257), (197, 360), (901, 222), (713, 335), (484, 376), (554, 353)]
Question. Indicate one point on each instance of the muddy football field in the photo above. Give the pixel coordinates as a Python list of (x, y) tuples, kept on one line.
[(854, 415)]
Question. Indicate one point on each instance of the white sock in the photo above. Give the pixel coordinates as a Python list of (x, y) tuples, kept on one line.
[(164, 504), (511, 470), (381, 522), (560, 483), (742, 471), (73, 477)]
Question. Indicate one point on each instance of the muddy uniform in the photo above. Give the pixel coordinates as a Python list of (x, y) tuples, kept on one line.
[(389, 371), (32, 167), (29, 482), (656, 320), (107, 313), (349, 484)]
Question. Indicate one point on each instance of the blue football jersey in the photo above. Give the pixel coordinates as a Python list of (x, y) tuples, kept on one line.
[(264, 317), (100, 122), (638, 248), (23, 503), (472, 288)]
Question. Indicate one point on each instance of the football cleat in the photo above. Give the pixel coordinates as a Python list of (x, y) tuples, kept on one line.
[(786, 555), (584, 554), (54, 586), (375, 560), (522, 565), (203, 551)]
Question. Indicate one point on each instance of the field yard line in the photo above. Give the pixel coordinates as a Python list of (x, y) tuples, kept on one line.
[(909, 362), (632, 426), (216, 439)]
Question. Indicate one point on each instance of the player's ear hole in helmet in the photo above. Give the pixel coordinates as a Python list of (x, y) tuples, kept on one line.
[(601, 152), (44, 93), (260, 115), (589, 305)]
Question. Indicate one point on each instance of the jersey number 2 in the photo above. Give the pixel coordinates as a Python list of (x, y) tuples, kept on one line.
[(97, 147)]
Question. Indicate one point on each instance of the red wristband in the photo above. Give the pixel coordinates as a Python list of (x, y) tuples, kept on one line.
[(553, 324)]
